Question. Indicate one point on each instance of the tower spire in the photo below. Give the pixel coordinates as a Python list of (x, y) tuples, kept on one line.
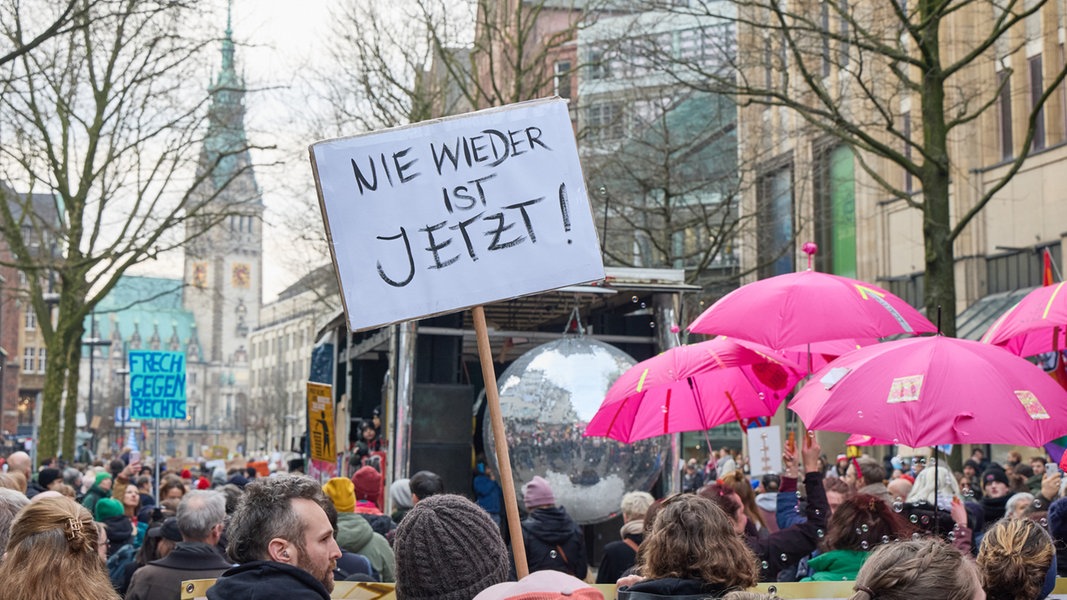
[(227, 75)]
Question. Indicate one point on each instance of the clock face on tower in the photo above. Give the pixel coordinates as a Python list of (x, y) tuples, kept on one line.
[(242, 275)]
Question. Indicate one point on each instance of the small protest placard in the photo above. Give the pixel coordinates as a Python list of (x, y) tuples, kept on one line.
[(157, 384), (457, 212), (765, 450), (320, 421)]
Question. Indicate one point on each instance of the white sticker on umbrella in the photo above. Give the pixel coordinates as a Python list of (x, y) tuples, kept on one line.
[(905, 389), (1031, 404), (836, 374)]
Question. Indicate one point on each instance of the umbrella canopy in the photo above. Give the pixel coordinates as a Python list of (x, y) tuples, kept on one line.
[(821, 353), (693, 388), (935, 390), (1029, 327), (865, 440), (802, 308)]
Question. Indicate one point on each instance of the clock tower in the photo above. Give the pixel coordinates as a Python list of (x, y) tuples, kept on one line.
[(224, 261)]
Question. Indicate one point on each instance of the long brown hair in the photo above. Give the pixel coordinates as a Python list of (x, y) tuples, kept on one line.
[(741, 485), (1014, 559), (863, 522), (49, 537), (693, 539)]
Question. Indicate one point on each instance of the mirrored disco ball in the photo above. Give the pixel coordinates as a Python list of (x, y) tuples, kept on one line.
[(547, 397)]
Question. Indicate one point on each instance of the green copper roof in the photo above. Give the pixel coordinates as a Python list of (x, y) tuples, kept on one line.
[(143, 312)]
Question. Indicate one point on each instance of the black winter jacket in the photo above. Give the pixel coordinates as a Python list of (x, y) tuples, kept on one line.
[(676, 589), (554, 542), (787, 546), (266, 580)]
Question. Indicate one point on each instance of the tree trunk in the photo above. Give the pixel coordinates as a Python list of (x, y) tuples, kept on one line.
[(51, 397), (940, 295), (70, 408)]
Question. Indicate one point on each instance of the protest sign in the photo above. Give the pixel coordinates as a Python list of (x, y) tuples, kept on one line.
[(457, 212), (157, 384), (765, 450), (320, 421)]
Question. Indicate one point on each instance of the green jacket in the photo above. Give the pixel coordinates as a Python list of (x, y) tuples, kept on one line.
[(837, 565), (93, 496), (354, 534)]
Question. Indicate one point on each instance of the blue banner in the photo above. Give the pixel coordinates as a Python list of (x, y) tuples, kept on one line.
[(157, 384)]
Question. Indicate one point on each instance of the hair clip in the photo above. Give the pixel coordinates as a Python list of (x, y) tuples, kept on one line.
[(74, 527)]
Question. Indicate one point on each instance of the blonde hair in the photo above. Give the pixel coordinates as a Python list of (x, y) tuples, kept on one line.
[(54, 535), (692, 538), (7, 481), (634, 505), (947, 486), (927, 569), (14, 480), (1014, 559)]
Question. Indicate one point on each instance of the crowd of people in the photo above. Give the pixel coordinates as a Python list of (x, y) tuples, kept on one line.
[(894, 530)]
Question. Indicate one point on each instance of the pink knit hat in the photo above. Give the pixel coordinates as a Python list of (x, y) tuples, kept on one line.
[(538, 493)]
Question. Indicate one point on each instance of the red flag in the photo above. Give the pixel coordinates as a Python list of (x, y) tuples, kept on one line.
[(1047, 278)]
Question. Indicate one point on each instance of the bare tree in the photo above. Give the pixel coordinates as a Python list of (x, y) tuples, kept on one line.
[(899, 83), (107, 120), (25, 29)]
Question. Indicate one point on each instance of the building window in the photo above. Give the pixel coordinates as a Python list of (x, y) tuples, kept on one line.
[(824, 18), (835, 210), (562, 80), (1037, 88), (604, 122), (598, 65), (774, 197), (843, 45), (31, 319), (768, 61), (29, 354), (42, 358), (909, 182), (1004, 112)]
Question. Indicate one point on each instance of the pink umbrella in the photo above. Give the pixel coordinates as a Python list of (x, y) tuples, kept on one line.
[(692, 388), (935, 390), (821, 353), (806, 307), (1034, 325), (865, 440)]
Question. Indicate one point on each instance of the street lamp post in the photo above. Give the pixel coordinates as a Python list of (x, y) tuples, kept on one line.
[(93, 343)]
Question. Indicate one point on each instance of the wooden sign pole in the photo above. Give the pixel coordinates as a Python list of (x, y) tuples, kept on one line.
[(492, 396)]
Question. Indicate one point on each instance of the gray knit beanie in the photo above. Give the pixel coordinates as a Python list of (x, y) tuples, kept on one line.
[(447, 548)]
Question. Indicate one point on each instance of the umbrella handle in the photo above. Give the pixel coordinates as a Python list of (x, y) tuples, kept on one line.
[(696, 400)]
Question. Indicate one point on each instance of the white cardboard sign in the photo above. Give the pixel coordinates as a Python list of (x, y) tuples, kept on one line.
[(453, 213), (764, 450)]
